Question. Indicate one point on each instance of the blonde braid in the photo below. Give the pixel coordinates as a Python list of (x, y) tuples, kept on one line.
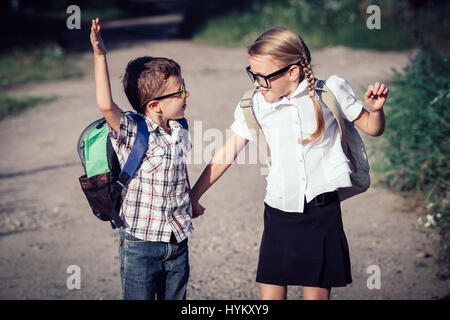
[(308, 73)]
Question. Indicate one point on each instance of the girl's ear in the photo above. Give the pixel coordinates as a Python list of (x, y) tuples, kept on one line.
[(295, 73)]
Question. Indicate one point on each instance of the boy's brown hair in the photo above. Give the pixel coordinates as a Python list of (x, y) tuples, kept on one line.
[(146, 77)]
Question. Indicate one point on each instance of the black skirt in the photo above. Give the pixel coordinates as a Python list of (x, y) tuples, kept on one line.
[(307, 249)]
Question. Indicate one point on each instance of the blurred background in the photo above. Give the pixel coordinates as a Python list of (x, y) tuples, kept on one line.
[(411, 159), (405, 23)]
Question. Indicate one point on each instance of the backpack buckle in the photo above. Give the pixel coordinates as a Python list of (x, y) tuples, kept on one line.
[(246, 102), (319, 85)]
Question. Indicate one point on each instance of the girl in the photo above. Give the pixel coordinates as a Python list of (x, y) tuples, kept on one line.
[(303, 242)]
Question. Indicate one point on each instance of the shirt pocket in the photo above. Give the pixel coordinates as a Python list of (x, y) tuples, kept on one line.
[(154, 159)]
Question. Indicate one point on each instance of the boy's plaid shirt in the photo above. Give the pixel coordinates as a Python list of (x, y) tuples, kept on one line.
[(156, 201)]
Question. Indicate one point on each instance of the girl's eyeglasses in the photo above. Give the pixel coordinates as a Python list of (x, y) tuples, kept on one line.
[(182, 91), (263, 80)]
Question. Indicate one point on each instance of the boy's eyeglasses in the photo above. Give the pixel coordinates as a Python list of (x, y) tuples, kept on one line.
[(263, 80), (182, 91)]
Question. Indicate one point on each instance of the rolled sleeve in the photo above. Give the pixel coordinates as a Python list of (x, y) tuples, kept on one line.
[(122, 139), (239, 126), (343, 91)]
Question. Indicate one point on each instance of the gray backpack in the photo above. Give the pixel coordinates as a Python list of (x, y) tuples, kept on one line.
[(352, 143)]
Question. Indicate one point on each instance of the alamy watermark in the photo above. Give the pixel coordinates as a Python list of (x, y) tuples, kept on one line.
[(374, 280), (374, 20), (253, 154), (74, 20), (215, 145), (74, 280)]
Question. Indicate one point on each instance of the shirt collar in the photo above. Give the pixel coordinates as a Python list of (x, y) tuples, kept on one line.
[(175, 126), (301, 89), (151, 125)]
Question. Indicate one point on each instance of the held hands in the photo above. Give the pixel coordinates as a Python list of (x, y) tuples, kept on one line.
[(375, 96), (197, 208), (96, 39)]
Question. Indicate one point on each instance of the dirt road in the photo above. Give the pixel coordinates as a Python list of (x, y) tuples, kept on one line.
[(46, 225)]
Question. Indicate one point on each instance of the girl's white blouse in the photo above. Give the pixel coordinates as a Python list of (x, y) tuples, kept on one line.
[(297, 170)]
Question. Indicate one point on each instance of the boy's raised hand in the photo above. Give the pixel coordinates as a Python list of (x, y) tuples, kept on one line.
[(375, 96), (96, 39)]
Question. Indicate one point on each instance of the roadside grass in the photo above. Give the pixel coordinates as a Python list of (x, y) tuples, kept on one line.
[(13, 105), (48, 62), (413, 152), (36, 64)]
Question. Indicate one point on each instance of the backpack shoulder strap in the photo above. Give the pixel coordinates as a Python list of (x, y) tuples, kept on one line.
[(137, 151), (246, 104), (253, 125), (331, 102), (183, 123)]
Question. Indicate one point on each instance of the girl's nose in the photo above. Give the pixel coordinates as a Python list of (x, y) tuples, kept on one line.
[(187, 94)]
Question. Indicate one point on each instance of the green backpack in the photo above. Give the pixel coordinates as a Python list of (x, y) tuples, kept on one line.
[(104, 179)]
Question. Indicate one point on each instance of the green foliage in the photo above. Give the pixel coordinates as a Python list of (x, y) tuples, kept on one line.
[(320, 23), (47, 62), (11, 105), (414, 150)]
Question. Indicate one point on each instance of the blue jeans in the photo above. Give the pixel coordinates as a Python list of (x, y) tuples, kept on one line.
[(149, 269)]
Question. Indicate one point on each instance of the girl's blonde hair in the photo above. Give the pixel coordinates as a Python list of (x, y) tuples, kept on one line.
[(288, 47)]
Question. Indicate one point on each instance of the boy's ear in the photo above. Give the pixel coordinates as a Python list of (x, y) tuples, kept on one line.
[(153, 106)]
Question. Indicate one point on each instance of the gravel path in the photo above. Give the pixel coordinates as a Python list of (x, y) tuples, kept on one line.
[(46, 225)]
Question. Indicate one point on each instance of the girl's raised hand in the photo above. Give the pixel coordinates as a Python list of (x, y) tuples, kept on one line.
[(375, 96), (96, 39)]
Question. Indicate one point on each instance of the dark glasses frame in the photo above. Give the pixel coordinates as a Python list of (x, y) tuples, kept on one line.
[(256, 77), (182, 91)]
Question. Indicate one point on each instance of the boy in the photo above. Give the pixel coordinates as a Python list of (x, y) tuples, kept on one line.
[(156, 207)]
